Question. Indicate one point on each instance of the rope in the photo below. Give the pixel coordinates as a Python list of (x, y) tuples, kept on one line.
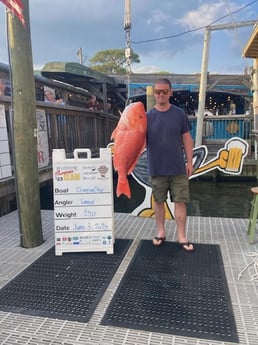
[(254, 262)]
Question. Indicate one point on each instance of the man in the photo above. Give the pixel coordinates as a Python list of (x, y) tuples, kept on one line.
[(93, 103), (169, 159)]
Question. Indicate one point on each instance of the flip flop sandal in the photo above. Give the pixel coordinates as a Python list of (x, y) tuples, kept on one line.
[(161, 240), (183, 244)]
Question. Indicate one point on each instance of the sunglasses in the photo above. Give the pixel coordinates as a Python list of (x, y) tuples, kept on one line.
[(158, 91)]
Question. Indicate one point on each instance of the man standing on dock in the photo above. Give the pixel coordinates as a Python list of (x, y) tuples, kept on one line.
[(169, 142)]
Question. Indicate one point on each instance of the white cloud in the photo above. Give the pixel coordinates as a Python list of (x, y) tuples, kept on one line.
[(206, 14), (159, 20), (147, 69)]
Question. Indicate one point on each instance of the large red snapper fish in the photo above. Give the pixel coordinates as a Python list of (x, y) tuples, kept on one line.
[(129, 142)]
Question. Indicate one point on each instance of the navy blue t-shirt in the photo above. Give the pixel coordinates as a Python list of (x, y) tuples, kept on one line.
[(165, 154)]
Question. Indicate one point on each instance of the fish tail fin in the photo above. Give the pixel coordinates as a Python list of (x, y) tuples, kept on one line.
[(123, 188)]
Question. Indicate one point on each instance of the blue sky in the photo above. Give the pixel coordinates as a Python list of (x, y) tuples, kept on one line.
[(60, 27)]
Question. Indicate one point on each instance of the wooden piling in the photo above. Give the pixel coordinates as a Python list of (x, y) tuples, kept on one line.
[(24, 129)]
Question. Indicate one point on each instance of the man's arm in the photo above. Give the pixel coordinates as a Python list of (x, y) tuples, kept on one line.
[(188, 147)]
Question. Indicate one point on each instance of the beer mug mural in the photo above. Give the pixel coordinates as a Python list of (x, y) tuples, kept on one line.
[(229, 160)]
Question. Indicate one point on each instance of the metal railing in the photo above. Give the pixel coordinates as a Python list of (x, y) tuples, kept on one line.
[(66, 127), (217, 129)]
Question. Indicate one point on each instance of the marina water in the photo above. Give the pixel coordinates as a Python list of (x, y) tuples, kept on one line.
[(225, 199)]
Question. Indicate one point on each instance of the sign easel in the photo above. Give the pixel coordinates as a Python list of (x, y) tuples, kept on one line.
[(83, 202)]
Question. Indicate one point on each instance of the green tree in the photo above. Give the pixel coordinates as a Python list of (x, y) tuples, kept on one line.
[(112, 61), (162, 72)]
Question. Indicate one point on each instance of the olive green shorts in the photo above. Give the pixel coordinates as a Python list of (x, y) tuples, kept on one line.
[(176, 186)]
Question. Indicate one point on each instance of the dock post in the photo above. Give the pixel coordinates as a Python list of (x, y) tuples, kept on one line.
[(24, 129), (150, 101)]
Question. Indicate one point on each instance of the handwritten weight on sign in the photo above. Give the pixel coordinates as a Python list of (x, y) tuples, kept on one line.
[(83, 202)]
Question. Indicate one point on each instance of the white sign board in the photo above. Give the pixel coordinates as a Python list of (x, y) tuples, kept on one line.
[(83, 202)]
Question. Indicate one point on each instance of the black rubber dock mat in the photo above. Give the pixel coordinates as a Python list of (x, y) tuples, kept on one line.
[(168, 290), (66, 287)]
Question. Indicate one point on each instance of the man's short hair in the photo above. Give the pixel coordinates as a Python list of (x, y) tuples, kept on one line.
[(163, 81)]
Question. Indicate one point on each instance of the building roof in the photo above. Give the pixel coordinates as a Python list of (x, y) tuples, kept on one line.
[(75, 73), (239, 84), (251, 48)]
